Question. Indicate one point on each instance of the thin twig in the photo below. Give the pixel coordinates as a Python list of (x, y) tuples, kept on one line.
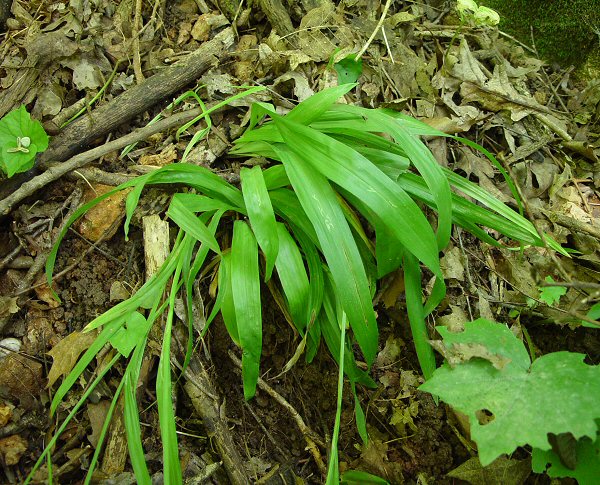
[(379, 24), (137, 62), (310, 436)]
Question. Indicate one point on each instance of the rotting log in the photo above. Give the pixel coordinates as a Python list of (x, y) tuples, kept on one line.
[(205, 400)]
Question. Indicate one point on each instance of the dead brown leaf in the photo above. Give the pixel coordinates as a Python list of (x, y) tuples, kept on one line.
[(12, 448), (503, 471), (66, 352)]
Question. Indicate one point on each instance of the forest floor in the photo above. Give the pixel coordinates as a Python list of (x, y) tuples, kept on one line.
[(466, 80)]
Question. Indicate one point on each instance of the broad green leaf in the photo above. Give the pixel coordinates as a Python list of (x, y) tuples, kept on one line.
[(293, 277), (333, 474), (551, 294), (557, 394), (202, 203), (348, 69), (312, 108), (586, 471), (286, 204), (357, 477), (225, 297), (275, 177), (421, 157), (132, 418), (21, 138), (261, 215), (199, 178), (593, 314), (416, 315), (245, 287), (337, 243), (359, 414), (316, 289), (131, 334), (328, 320), (253, 141), (166, 414)]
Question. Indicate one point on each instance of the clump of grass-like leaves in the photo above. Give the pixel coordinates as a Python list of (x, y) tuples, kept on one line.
[(332, 170)]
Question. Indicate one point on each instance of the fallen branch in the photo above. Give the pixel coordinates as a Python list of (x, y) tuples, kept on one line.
[(56, 171), (205, 400)]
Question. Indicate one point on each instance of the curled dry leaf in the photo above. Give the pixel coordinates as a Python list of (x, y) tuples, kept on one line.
[(12, 449)]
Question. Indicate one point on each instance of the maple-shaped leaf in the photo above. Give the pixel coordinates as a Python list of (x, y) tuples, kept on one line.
[(551, 294), (558, 393)]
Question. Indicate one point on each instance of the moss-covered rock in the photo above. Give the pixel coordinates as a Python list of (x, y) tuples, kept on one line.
[(565, 31)]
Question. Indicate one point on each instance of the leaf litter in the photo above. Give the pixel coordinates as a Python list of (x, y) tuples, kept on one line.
[(541, 122)]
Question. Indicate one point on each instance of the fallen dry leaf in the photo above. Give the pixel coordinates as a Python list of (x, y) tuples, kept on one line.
[(5, 414), (104, 216), (12, 448), (503, 471), (21, 378), (66, 352), (97, 414)]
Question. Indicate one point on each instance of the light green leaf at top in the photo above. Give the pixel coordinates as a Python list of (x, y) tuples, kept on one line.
[(558, 393), (293, 277), (261, 215)]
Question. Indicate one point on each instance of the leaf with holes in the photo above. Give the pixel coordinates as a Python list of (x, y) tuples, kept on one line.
[(558, 393)]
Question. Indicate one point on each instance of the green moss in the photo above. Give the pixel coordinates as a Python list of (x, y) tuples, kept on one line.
[(564, 31)]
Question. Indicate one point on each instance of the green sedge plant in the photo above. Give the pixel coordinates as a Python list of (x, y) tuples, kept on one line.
[(21, 139), (301, 225)]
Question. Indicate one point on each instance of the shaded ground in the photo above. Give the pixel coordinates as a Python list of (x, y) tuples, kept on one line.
[(465, 80)]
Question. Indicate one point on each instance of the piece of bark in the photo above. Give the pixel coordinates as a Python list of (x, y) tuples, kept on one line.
[(25, 80), (278, 16), (204, 397)]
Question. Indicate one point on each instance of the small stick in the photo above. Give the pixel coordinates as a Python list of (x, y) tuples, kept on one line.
[(379, 24)]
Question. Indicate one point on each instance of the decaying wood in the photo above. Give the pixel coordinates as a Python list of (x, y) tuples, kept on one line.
[(26, 78), (205, 400), (278, 16)]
